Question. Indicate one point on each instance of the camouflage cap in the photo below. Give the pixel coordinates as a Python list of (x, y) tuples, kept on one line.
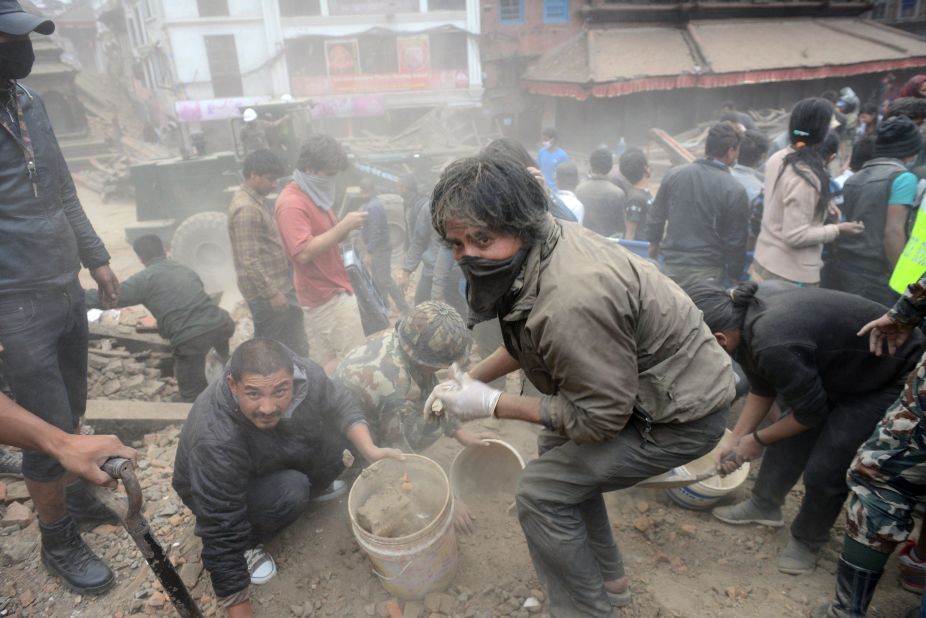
[(434, 335)]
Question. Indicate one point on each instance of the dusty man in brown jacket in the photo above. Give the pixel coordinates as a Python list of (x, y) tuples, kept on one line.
[(634, 384)]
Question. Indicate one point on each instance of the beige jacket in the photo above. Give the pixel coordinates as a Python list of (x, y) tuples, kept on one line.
[(790, 243), (597, 329)]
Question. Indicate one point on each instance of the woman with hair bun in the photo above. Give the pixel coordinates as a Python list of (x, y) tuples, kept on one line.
[(801, 345), (797, 200)]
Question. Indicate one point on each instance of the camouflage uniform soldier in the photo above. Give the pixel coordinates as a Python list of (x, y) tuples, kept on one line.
[(393, 373), (888, 475)]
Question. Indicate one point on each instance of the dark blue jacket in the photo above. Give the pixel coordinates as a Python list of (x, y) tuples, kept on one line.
[(44, 239), (707, 211)]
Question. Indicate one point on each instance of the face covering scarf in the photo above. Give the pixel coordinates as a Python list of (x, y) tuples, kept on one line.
[(16, 59), (487, 281), (319, 188)]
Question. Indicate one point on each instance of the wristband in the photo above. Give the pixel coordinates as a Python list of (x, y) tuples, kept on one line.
[(755, 435)]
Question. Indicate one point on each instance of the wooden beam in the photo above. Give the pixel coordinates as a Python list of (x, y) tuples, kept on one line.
[(677, 153), (130, 420), (131, 341)]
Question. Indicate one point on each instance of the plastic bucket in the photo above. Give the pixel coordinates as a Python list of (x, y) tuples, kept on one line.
[(424, 561), (705, 494), (492, 468)]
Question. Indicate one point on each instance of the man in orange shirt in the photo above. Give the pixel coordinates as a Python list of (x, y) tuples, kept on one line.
[(311, 233)]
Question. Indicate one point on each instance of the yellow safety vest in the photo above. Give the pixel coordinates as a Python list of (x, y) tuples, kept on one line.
[(912, 263)]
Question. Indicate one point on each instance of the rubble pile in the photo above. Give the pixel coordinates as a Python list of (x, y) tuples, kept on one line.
[(115, 373), (28, 592)]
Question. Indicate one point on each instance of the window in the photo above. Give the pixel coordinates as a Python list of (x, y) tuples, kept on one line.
[(162, 67), (133, 35), (555, 11), (299, 8), (907, 8), (511, 11), (306, 57), (878, 10), (378, 54), (446, 5), (448, 51), (212, 8), (142, 33), (222, 55)]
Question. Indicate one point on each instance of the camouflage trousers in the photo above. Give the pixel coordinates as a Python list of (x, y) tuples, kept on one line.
[(888, 475)]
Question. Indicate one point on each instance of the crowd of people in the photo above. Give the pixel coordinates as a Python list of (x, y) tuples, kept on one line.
[(511, 252)]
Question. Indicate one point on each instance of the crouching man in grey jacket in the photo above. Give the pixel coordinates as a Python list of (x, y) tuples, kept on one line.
[(255, 449)]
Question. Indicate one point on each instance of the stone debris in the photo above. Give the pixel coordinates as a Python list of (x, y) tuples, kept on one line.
[(16, 491), (667, 551), (115, 373), (17, 515)]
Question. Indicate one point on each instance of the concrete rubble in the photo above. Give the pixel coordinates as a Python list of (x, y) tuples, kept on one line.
[(139, 593), (115, 373)]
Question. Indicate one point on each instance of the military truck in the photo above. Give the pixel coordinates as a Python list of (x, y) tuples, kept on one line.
[(184, 199)]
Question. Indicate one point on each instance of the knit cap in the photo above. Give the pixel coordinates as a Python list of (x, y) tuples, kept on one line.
[(898, 137)]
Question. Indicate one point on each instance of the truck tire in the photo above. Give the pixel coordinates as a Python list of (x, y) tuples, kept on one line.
[(201, 242)]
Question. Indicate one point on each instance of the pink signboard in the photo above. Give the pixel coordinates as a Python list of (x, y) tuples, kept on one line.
[(385, 82)]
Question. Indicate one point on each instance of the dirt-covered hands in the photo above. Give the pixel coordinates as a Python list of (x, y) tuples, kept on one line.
[(736, 453), (379, 452), (83, 455), (466, 438), (108, 283), (886, 331)]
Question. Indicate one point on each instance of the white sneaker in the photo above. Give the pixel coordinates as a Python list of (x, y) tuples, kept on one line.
[(333, 491), (260, 565)]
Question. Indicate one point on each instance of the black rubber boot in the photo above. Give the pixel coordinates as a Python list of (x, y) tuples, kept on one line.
[(87, 511), (65, 554), (855, 587)]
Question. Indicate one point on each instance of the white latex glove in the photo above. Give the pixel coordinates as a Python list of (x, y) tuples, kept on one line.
[(463, 397)]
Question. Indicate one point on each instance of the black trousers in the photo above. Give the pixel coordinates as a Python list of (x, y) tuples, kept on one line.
[(822, 454), (44, 337), (284, 326), (190, 359), (836, 276), (563, 514)]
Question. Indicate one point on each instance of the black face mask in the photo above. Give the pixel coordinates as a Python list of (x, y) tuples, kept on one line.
[(16, 59), (487, 281)]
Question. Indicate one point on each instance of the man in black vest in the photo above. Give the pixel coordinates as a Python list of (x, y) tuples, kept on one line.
[(881, 195)]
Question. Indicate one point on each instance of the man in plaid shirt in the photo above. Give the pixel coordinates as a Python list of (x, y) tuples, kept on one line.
[(263, 270)]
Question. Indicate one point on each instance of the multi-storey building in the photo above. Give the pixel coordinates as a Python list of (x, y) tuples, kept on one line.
[(600, 70), (370, 64)]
